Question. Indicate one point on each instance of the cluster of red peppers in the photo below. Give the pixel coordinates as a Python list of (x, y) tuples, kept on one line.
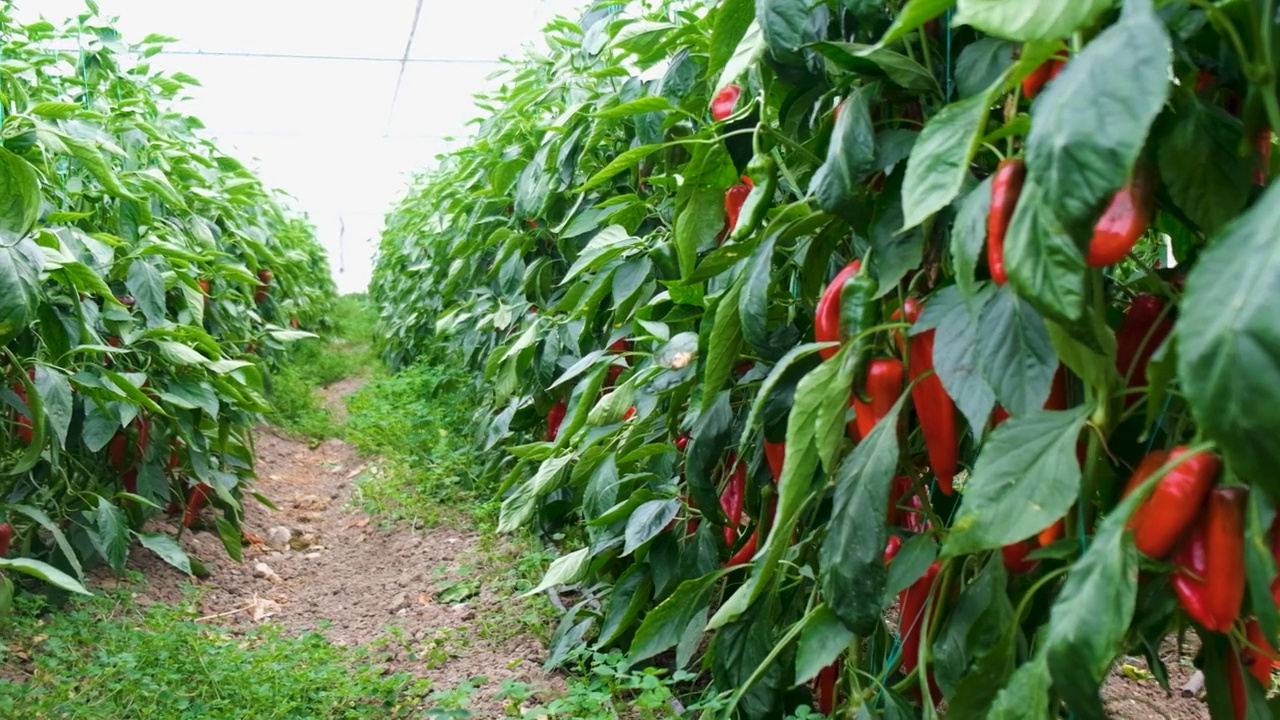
[(25, 430)]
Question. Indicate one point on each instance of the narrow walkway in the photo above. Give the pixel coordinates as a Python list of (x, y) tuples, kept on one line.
[(415, 597)]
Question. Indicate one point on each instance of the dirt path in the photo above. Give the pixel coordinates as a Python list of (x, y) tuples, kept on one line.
[(411, 595)]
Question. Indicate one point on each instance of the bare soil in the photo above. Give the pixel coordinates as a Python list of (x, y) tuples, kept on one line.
[(327, 567)]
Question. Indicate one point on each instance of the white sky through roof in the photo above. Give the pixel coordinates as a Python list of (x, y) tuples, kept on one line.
[(325, 130)]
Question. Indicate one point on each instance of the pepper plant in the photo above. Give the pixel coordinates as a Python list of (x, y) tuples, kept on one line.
[(842, 342), (146, 280)]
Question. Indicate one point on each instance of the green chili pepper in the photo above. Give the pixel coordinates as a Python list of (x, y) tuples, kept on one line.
[(859, 312), (763, 172)]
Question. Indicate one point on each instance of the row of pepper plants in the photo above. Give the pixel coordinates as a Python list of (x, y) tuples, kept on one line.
[(842, 342), (147, 281)]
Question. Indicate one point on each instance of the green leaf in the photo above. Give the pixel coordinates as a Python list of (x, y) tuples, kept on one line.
[(981, 64), (629, 597), (851, 559), (564, 570), (56, 532), (1027, 695), (783, 24), (1086, 135), (913, 560), (232, 538), (1091, 615), (167, 549), (849, 156), (724, 344), (45, 572), (733, 18), (111, 533), (1029, 463), (747, 54), (19, 285), (822, 641), (647, 521), (913, 16), (700, 202), (1015, 353), (1229, 342), (56, 110), (1199, 164), (55, 394), (956, 352), (666, 624), (979, 624), (19, 197), (91, 157), (626, 160), (639, 106), (894, 252), (147, 287), (969, 235), (1044, 264), (939, 160), (1030, 19)]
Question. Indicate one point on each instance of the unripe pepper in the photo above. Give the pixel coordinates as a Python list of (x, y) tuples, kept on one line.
[(762, 173), (1006, 186), (6, 537), (723, 103), (1125, 220), (912, 603), (1171, 508), (1210, 578), (554, 418), (934, 407), (883, 388)]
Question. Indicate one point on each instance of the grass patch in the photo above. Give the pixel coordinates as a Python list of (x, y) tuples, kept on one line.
[(108, 658), (346, 351)]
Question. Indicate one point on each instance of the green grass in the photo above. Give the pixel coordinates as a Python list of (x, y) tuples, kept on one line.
[(345, 351), (106, 657)]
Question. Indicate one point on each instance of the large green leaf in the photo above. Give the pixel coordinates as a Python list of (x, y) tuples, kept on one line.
[(1044, 263), (19, 197), (939, 160), (665, 626), (1029, 463), (849, 156), (45, 572), (957, 349), (1229, 342), (852, 555), (783, 24), (1086, 134), (733, 17), (19, 285), (1030, 19), (1015, 353), (1206, 176)]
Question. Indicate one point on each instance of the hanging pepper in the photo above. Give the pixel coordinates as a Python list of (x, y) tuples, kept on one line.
[(612, 374), (826, 688), (826, 319), (1035, 82), (620, 346), (1210, 576), (883, 388), (898, 491), (912, 603), (934, 407), (6, 537), (1006, 186), (762, 173), (724, 102), (555, 417), (1256, 656), (1051, 534), (916, 519), (1171, 508), (733, 499), (1125, 220), (775, 454), (891, 548), (1145, 327), (199, 495), (25, 429), (1264, 153), (733, 199), (748, 549), (1015, 557)]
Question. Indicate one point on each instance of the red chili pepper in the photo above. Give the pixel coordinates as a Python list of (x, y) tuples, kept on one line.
[(1210, 577), (293, 323), (1051, 534), (1204, 81), (826, 318), (682, 442), (630, 413), (884, 387), (898, 491), (934, 407), (620, 346), (1171, 508), (199, 495), (131, 481), (1035, 82), (1124, 221), (724, 102), (775, 454), (733, 499), (912, 603), (1264, 152), (554, 418), (891, 548), (6, 537), (1006, 186), (204, 286), (1140, 325), (1257, 657), (612, 374), (734, 197), (1015, 557), (826, 688), (916, 519)]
